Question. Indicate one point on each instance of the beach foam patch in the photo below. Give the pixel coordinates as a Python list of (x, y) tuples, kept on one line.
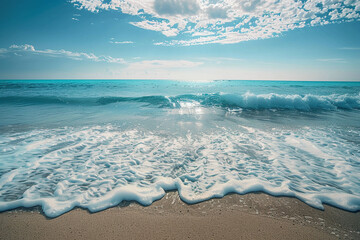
[(100, 166)]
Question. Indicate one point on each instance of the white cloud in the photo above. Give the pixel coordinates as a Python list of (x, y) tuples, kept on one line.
[(121, 42), (159, 26), (176, 7), (27, 48), (227, 21), (204, 33), (217, 12)]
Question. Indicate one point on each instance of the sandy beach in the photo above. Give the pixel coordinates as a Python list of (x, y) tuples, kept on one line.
[(251, 216), (179, 119)]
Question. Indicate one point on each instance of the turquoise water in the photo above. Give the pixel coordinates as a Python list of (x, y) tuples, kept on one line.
[(87, 143)]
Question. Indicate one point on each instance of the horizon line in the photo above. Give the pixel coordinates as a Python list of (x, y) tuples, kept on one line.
[(174, 80)]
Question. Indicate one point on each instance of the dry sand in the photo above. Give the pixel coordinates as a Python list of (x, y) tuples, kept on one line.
[(251, 216)]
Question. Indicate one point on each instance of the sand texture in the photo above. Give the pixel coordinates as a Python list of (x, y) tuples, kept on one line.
[(251, 216)]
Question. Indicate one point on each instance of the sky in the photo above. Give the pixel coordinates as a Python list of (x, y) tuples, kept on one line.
[(193, 40)]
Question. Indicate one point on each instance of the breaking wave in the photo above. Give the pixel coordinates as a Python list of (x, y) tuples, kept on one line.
[(248, 100)]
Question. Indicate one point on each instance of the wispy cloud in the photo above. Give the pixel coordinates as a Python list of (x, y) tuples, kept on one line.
[(121, 42), (221, 59), (3, 51), (350, 48), (30, 49), (76, 17), (162, 69), (198, 22), (164, 64), (332, 60), (22, 50)]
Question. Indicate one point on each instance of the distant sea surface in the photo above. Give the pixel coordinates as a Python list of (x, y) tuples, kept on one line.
[(93, 144)]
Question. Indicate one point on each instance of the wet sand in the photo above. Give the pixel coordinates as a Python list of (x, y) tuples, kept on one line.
[(251, 216)]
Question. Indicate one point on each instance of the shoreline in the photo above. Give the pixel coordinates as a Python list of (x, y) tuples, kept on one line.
[(250, 216)]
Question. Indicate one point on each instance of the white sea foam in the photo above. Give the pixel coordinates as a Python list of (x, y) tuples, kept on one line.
[(293, 101), (98, 167)]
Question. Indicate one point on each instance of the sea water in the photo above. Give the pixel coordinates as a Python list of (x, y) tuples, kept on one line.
[(93, 144)]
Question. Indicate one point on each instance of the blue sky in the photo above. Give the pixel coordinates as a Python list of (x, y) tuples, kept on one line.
[(180, 39)]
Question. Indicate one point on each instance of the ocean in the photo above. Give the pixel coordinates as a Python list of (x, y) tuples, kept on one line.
[(95, 143)]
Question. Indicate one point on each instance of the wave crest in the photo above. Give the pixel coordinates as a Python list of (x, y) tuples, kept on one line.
[(304, 103), (250, 101)]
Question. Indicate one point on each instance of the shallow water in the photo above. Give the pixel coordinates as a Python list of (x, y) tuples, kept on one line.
[(95, 143)]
